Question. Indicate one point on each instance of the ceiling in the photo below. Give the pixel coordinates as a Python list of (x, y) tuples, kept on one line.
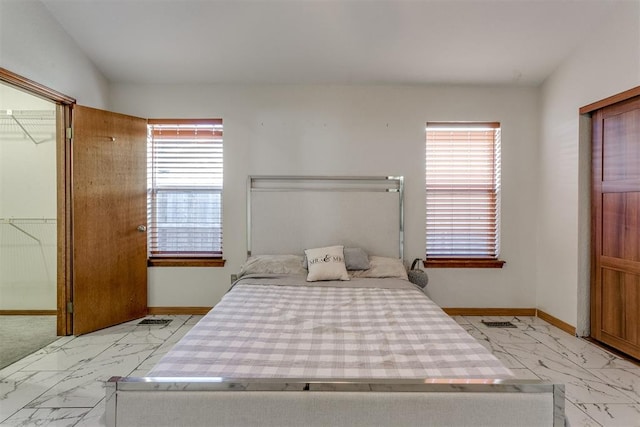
[(329, 41)]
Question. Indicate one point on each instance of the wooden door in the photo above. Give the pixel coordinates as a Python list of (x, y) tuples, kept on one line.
[(615, 292), (109, 204)]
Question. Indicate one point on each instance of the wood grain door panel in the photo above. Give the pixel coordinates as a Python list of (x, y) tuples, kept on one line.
[(619, 303), (615, 287), (109, 203), (612, 302), (621, 225), (620, 162)]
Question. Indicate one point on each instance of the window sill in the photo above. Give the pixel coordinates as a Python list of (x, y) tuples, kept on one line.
[(463, 263), (185, 262)]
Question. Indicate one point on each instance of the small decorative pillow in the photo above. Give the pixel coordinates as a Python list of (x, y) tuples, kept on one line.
[(326, 264)]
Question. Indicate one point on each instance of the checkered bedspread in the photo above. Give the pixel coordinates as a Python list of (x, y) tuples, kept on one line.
[(323, 332)]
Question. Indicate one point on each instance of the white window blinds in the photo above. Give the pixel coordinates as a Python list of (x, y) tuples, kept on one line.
[(184, 191), (462, 190)]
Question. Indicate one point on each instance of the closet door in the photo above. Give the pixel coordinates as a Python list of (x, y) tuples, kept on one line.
[(109, 175), (615, 293)]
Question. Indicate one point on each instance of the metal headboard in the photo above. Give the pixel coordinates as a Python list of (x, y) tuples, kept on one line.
[(304, 184)]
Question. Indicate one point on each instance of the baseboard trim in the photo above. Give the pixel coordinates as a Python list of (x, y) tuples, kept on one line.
[(28, 312), (178, 310), (472, 311), (556, 322)]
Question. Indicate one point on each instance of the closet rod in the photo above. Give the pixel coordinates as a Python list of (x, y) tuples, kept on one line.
[(36, 220), (51, 221), (26, 132), (37, 114), (25, 232), (11, 222)]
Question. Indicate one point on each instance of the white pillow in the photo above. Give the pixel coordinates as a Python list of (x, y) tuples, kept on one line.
[(326, 264)]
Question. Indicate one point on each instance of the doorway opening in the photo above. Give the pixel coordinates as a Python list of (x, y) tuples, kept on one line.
[(28, 230), (35, 200)]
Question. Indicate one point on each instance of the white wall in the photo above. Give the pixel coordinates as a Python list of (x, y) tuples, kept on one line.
[(605, 64), (33, 45), (354, 130)]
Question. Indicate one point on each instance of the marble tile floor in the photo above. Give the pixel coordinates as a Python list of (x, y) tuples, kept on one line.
[(62, 384)]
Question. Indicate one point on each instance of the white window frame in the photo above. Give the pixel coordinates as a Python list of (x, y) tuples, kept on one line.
[(184, 192), (462, 194)]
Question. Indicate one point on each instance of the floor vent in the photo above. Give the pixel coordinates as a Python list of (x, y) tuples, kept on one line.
[(499, 324), (155, 322)]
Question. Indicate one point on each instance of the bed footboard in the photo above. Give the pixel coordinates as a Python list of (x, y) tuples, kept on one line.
[(358, 402)]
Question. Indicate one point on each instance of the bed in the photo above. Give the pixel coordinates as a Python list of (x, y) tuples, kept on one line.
[(329, 335)]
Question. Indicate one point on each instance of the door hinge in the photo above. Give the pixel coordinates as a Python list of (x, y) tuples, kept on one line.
[(70, 307), (69, 133)]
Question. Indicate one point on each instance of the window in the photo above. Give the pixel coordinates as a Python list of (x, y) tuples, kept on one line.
[(184, 192), (463, 194)]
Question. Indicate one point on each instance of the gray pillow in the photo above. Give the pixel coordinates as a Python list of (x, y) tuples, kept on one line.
[(354, 259)]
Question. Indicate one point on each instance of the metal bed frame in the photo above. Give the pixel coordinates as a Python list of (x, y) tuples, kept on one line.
[(341, 402)]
